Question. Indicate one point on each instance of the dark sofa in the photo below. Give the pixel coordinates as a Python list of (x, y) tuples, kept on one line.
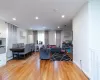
[(28, 49), (55, 50), (44, 53)]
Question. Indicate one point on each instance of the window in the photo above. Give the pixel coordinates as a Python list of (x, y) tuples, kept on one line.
[(41, 37)]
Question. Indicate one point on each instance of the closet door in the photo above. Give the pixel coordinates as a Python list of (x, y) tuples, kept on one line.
[(95, 64), (98, 65)]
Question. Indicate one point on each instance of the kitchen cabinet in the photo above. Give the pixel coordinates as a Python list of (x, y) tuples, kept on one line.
[(2, 34), (2, 56), (2, 59), (3, 30)]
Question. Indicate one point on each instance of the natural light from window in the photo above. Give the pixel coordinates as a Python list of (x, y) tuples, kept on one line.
[(41, 36)]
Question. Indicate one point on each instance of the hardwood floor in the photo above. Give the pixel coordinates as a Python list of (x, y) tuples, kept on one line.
[(70, 55), (34, 69)]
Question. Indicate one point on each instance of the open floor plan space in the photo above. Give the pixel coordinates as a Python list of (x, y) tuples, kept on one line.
[(49, 40), (33, 68)]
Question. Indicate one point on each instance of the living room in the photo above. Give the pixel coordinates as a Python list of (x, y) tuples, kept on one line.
[(19, 44), (49, 40)]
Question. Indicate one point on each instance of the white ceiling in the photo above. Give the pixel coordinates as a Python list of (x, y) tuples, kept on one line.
[(25, 12)]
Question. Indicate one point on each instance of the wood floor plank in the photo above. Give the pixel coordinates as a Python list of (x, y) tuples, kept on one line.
[(33, 68)]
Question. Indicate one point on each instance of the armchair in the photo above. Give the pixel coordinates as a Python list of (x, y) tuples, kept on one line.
[(44, 53)]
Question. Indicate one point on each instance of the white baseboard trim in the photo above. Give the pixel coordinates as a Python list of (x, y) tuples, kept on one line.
[(86, 74), (82, 70), (2, 65), (77, 64)]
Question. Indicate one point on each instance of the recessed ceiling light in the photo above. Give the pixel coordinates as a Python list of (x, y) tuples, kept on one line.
[(58, 27), (36, 18), (14, 19), (63, 16)]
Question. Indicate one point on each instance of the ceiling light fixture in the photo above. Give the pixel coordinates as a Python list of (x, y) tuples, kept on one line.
[(58, 27), (14, 19), (36, 18), (63, 16)]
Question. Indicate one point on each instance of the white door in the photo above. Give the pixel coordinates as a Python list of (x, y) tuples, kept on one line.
[(95, 65)]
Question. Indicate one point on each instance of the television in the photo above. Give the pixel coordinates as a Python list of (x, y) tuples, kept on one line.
[(0, 42)]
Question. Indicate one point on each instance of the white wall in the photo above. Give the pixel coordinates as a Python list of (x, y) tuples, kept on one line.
[(66, 33), (94, 29), (52, 37), (94, 24), (23, 38), (81, 39)]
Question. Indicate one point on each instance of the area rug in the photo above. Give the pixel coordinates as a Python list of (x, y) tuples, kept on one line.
[(60, 57)]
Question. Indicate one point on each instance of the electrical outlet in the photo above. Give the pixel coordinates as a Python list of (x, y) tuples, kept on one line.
[(81, 64)]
